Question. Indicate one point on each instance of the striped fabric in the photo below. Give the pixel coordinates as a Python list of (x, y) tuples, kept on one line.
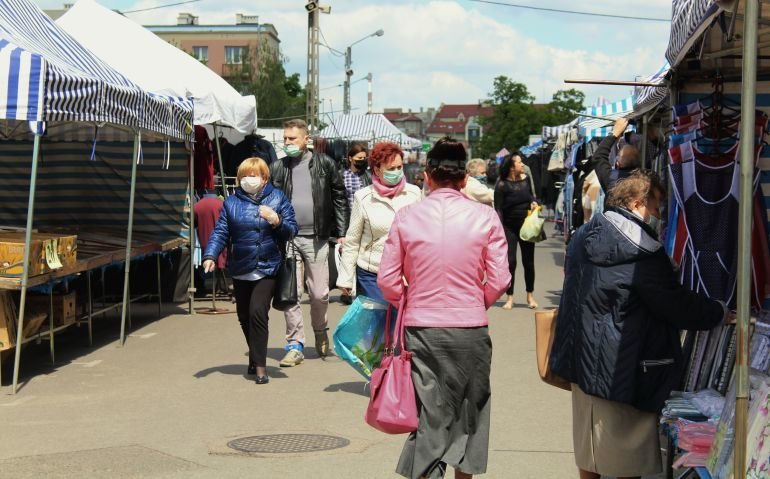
[(57, 79), (76, 193), (648, 97), (371, 127), (689, 19), (594, 127), (554, 131)]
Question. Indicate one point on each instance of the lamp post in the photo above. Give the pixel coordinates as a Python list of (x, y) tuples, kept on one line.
[(349, 69), (313, 11)]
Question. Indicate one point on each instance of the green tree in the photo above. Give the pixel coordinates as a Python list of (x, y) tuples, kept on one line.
[(563, 107)]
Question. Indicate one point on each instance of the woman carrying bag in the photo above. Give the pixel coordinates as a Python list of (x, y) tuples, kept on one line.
[(374, 208), (443, 247), (257, 220)]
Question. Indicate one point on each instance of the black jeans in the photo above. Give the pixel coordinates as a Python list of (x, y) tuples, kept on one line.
[(252, 302), (512, 228)]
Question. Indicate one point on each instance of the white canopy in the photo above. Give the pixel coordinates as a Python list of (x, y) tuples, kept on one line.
[(158, 66), (370, 127)]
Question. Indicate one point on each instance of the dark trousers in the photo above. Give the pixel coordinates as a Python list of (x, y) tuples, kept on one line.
[(252, 302), (512, 228)]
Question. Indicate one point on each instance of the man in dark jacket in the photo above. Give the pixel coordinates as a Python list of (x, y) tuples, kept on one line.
[(617, 331), (317, 192)]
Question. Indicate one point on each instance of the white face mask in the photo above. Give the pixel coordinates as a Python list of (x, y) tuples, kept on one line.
[(252, 184)]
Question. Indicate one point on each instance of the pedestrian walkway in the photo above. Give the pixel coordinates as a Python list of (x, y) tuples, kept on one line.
[(167, 404)]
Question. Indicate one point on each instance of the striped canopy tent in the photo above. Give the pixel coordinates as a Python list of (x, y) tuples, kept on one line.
[(689, 20), (369, 127), (49, 77), (648, 97), (554, 131), (596, 121)]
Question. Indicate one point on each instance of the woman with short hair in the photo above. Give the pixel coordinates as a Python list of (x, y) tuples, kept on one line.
[(374, 209), (445, 261), (257, 220)]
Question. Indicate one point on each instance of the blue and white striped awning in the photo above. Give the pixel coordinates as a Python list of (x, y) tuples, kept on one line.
[(554, 131), (370, 127), (605, 115), (648, 97), (51, 77), (689, 19)]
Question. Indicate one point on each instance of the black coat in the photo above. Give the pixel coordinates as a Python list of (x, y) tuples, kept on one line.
[(331, 212), (617, 333)]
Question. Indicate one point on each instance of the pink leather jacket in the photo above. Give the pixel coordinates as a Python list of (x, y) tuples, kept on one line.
[(444, 248)]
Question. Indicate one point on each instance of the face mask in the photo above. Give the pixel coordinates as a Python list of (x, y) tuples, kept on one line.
[(292, 150), (653, 222), (251, 184), (360, 164), (482, 178), (392, 177)]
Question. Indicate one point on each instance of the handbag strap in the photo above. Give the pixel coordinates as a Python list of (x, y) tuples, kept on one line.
[(398, 339)]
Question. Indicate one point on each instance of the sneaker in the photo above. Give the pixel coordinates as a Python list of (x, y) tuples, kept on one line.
[(293, 358), (322, 343)]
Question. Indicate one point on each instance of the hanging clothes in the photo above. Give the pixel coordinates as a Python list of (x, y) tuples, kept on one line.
[(204, 160)]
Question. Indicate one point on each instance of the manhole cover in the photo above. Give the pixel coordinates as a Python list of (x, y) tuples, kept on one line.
[(287, 443)]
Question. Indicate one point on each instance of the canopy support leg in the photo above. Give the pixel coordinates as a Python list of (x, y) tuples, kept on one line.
[(129, 238)]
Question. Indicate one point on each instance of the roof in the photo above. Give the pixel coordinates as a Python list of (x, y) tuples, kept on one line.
[(453, 112), (243, 28)]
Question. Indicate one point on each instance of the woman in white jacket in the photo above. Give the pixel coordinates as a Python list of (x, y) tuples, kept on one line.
[(374, 209)]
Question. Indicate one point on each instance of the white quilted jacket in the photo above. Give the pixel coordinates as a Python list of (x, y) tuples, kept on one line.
[(370, 221)]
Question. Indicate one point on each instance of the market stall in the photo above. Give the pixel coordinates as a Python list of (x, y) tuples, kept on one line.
[(53, 80)]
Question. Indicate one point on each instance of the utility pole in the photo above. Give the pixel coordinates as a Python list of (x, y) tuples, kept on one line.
[(369, 93), (311, 111), (348, 74)]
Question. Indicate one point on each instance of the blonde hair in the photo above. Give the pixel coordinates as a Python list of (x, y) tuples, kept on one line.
[(296, 123), (639, 185), (473, 165), (253, 165)]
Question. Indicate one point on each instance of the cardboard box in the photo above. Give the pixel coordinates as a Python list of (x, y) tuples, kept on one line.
[(12, 253), (64, 307), (9, 320)]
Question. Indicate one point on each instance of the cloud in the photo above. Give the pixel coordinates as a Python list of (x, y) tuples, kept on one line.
[(449, 51)]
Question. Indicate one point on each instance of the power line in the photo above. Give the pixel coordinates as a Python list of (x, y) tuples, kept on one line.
[(160, 6), (573, 12)]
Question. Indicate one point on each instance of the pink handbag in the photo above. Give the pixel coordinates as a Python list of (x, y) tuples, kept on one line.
[(392, 404)]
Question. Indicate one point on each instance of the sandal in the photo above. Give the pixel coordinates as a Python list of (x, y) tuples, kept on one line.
[(532, 305)]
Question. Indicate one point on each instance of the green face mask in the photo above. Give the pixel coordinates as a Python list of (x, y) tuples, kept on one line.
[(392, 177), (292, 150)]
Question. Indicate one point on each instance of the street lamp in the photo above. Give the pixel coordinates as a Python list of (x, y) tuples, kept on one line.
[(349, 69)]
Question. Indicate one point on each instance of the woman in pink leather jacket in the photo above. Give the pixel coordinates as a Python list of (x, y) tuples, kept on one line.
[(452, 254)]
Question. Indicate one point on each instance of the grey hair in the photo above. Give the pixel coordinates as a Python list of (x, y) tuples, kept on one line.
[(474, 165)]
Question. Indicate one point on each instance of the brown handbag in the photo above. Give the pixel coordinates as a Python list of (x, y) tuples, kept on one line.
[(545, 330)]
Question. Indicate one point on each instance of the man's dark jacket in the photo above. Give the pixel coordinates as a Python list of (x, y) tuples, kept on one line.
[(256, 245), (617, 332), (331, 212)]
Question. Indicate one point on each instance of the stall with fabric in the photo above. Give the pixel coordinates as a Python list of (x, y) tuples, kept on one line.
[(157, 66), (75, 181), (715, 117)]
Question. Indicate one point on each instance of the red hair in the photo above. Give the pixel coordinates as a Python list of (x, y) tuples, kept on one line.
[(383, 153)]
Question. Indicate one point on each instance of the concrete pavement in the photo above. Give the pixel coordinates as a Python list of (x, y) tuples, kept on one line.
[(166, 404)]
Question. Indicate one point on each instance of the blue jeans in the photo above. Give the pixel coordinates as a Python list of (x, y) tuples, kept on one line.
[(366, 285)]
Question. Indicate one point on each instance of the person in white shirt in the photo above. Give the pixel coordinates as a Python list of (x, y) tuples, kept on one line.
[(374, 208), (476, 187)]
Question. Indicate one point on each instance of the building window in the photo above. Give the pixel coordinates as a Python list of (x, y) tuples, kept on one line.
[(234, 55), (201, 53)]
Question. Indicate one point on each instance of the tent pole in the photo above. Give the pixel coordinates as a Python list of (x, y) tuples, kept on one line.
[(643, 149), (132, 198), (25, 270), (219, 156), (191, 289), (748, 105)]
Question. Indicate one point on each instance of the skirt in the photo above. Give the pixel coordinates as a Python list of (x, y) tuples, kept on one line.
[(612, 438), (450, 370)]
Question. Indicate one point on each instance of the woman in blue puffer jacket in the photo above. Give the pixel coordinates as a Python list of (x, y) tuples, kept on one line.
[(257, 220)]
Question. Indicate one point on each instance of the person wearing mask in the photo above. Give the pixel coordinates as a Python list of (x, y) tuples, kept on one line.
[(316, 190), (476, 187), (374, 209), (629, 158), (514, 198), (257, 221), (617, 337), (451, 253), (357, 175)]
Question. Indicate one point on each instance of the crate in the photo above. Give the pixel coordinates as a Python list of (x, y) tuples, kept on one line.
[(9, 320), (64, 307), (12, 252)]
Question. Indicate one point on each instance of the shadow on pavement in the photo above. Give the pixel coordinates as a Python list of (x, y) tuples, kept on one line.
[(354, 387), (238, 370)]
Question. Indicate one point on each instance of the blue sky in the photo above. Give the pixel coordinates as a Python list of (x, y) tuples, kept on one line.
[(450, 50)]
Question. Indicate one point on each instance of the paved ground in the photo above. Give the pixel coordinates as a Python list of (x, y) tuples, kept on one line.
[(166, 404)]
